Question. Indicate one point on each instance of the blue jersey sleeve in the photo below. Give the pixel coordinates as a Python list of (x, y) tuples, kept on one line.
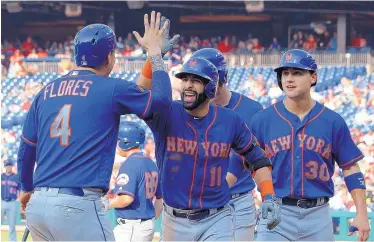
[(29, 132), (130, 98), (243, 137), (158, 190), (27, 150), (236, 166), (254, 127), (25, 166), (158, 122), (127, 181), (345, 151), (245, 143)]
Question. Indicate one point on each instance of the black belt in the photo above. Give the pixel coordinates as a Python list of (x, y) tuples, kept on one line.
[(123, 220), (69, 191), (305, 202), (236, 195), (196, 215)]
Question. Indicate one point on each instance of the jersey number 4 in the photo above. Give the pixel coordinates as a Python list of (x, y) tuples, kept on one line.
[(60, 127)]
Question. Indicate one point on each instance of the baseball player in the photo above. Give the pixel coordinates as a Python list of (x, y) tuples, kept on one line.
[(193, 142), (241, 191), (304, 139), (9, 194), (71, 132), (137, 184)]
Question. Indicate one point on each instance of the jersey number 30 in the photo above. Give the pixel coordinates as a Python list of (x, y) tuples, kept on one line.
[(60, 127)]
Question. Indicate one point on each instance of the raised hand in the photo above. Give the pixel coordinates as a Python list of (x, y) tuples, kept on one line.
[(153, 37), (167, 43)]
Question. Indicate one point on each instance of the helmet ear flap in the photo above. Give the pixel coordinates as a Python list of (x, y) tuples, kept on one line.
[(223, 76), (210, 90)]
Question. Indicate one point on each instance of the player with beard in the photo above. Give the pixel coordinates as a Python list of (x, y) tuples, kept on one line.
[(193, 141)]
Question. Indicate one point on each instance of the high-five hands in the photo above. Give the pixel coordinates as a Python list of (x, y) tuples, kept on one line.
[(153, 37)]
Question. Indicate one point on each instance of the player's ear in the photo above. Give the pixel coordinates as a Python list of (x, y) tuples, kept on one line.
[(314, 77), (111, 58)]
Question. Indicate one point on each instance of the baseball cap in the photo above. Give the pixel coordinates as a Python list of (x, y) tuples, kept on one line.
[(8, 163)]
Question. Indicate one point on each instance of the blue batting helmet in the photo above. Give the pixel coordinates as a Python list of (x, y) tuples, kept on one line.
[(93, 44), (216, 57), (296, 58), (9, 163), (204, 69), (130, 135)]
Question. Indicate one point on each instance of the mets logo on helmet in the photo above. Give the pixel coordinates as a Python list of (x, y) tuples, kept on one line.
[(288, 57), (192, 63)]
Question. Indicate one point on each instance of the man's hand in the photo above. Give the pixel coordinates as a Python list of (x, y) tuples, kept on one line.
[(167, 43), (24, 198), (153, 37), (270, 206), (360, 224)]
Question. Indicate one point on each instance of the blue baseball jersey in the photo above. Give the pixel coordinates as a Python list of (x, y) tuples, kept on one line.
[(304, 152), (193, 154), (73, 122), (138, 177), (9, 186), (246, 108)]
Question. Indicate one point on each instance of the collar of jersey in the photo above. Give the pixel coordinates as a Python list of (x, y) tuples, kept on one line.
[(233, 100), (291, 116), (81, 73), (136, 154), (193, 118)]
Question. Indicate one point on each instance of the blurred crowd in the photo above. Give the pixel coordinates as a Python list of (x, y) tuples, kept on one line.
[(355, 97), (14, 51)]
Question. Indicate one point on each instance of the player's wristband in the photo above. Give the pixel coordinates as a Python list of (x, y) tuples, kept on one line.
[(355, 181), (147, 69), (266, 188)]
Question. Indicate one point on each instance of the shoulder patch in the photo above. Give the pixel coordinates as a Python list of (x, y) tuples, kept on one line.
[(122, 179)]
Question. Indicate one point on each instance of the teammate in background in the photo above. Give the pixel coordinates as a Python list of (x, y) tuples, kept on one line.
[(137, 184), (71, 131), (9, 194), (304, 139), (193, 143), (241, 191)]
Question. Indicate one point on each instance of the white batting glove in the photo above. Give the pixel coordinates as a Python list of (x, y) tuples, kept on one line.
[(105, 202), (167, 43)]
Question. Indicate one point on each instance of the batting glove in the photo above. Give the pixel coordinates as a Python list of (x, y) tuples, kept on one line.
[(271, 206), (167, 43), (105, 202)]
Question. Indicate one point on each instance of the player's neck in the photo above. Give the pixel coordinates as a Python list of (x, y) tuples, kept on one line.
[(132, 151), (224, 97), (8, 173), (299, 106), (201, 111), (97, 71)]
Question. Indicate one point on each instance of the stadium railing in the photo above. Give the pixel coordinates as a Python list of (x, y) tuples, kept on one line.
[(340, 220), (134, 64)]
